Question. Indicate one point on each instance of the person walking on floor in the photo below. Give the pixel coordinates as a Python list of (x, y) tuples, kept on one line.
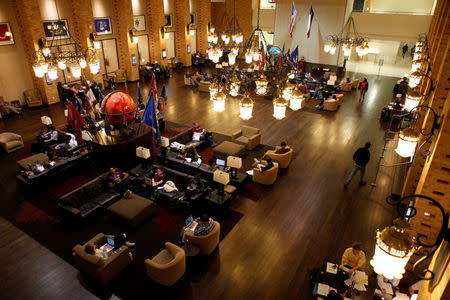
[(363, 86), (404, 50), (361, 158)]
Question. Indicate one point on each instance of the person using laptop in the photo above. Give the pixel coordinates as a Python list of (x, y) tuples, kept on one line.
[(264, 164), (339, 294), (353, 258), (201, 134), (158, 176), (194, 186), (93, 250), (205, 225)]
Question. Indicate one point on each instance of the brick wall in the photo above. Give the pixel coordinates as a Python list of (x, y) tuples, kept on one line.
[(243, 14), (155, 18), (203, 18), (182, 38)]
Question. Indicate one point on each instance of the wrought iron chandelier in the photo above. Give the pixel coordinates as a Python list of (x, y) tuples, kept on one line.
[(347, 38)]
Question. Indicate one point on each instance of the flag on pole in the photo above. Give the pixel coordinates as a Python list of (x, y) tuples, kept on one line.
[(149, 116), (293, 17), (310, 19), (294, 57), (282, 50), (288, 53), (279, 60), (126, 88), (263, 59), (139, 95)]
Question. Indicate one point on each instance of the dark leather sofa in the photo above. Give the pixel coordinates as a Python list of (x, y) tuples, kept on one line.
[(185, 138), (192, 168), (89, 197)]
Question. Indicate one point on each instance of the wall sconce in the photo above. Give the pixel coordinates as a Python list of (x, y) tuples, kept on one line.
[(187, 28), (164, 53), (162, 31), (95, 43), (133, 36)]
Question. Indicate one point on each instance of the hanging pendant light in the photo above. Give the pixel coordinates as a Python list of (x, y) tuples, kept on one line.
[(246, 108), (219, 101), (296, 100), (231, 58), (76, 71), (393, 249), (248, 57), (213, 90), (234, 86), (52, 72), (38, 70), (261, 85), (414, 79), (94, 67), (83, 63), (287, 91), (326, 48), (413, 99), (279, 108), (407, 142), (62, 64)]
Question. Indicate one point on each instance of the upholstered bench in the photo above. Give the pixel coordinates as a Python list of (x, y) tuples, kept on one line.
[(10, 141), (227, 148), (135, 210)]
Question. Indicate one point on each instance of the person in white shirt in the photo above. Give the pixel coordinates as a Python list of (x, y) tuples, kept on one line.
[(381, 280)]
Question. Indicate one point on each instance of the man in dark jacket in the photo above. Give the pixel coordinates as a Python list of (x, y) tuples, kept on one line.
[(361, 158)]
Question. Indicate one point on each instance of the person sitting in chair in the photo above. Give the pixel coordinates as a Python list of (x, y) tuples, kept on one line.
[(194, 186), (264, 164), (188, 153), (116, 176), (339, 294), (158, 176), (283, 148), (353, 258), (92, 249), (205, 225), (202, 134)]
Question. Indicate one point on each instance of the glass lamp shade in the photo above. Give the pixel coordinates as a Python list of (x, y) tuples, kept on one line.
[(215, 39), (210, 38), (166, 36), (418, 65), (295, 103), (414, 79), (412, 100), (62, 64), (239, 38), (223, 37), (407, 142), (420, 55), (287, 92), (248, 58), (279, 108), (246, 108), (83, 63), (256, 56), (76, 71), (326, 48), (46, 52), (135, 39), (231, 58), (393, 249), (219, 102), (52, 73), (44, 67), (261, 86), (213, 90), (234, 88), (97, 44), (227, 40), (94, 67), (347, 50), (38, 70), (235, 51), (219, 52), (332, 49), (212, 29)]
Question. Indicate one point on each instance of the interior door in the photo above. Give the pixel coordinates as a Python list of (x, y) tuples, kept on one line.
[(170, 44), (109, 57), (144, 53)]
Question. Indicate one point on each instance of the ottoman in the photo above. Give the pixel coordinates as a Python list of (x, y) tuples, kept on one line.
[(227, 148), (135, 210), (10, 141)]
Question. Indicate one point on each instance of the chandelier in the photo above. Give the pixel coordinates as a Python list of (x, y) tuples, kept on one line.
[(246, 108), (347, 39), (62, 55)]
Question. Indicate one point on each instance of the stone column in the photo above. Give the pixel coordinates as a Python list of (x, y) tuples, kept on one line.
[(203, 18), (182, 37), (30, 23), (122, 23), (155, 14)]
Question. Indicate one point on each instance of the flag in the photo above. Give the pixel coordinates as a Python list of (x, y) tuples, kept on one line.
[(263, 59), (272, 60), (288, 53), (294, 57), (76, 122), (279, 60), (282, 50), (126, 88), (149, 116), (139, 95), (152, 87), (164, 93), (310, 19), (293, 17)]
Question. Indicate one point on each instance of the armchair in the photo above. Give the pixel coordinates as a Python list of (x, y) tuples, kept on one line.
[(10, 141), (331, 105), (206, 243), (101, 269), (355, 83), (283, 160), (268, 177), (339, 97), (248, 136), (33, 97), (203, 86), (346, 87), (167, 266)]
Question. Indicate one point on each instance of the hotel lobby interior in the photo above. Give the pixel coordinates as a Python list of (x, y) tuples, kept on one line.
[(224, 149)]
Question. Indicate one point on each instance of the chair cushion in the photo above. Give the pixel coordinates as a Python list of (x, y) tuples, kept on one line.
[(164, 257), (242, 140), (6, 137)]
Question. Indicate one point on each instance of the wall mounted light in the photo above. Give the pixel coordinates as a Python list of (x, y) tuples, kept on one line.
[(94, 42), (164, 53), (133, 36)]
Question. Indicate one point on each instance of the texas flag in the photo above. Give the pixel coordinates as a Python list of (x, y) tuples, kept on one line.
[(310, 19), (293, 17)]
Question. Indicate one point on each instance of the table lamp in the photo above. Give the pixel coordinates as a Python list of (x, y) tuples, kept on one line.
[(47, 121), (143, 153), (222, 178), (234, 163), (165, 143)]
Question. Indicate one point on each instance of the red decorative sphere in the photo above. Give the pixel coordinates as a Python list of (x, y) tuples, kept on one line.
[(117, 105)]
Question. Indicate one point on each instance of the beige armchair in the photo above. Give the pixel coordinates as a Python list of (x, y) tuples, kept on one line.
[(248, 136), (355, 83), (206, 243), (167, 266), (330, 105), (101, 269), (120, 76), (346, 87), (33, 97), (283, 160), (10, 141), (339, 97), (267, 177), (203, 86)]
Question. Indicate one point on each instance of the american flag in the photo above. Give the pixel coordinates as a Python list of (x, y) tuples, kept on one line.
[(293, 17), (310, 19)]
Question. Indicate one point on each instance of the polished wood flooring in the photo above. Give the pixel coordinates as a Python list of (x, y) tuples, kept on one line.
[(305, 219)]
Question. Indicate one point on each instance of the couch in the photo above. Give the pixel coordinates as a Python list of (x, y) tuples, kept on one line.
[(268, 177), (89, 197), (10, 142), (283, 160), (346, 87), (206, 243), (355, 83), (331, 105), (185, 138), (134, 210), (101, 269), (33, 97), (167, 266), (248, 136)]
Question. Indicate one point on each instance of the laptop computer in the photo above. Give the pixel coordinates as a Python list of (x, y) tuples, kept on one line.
[(190, 224)]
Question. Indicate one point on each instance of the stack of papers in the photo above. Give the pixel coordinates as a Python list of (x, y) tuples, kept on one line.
[(359, 280), (332, 268)]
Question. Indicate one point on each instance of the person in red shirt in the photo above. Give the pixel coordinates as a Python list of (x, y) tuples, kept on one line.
[(283, 148), (158, 176), (196, 128)]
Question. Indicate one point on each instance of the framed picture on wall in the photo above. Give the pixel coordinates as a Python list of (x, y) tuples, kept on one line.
[(192, 20), (139, 23), (103, 26), (168, 20), (56, 29), (188, 49), (6, 36)]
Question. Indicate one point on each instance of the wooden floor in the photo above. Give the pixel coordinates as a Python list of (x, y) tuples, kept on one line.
[(305, 219)]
